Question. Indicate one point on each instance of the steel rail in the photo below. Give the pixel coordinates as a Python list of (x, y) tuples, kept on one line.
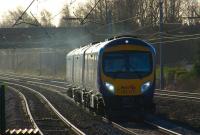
[(165, 130), (103, 118), (178, 96), (40, 79), (28, 110), (64, 120), (119, 126), (160, 94), (181, 99), (171, 91), (48, 85), (162, 129), (174, 96), (24, 77)]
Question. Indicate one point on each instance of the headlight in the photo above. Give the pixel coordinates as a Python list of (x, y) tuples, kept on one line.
[(110, 87), (145, 86)]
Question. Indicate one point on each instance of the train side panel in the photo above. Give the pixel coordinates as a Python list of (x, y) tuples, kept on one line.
[(91, 67), (69, 68), (91, 71), (78, 65)]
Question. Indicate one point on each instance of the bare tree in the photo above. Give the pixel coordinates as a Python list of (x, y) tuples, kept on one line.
[(134, 14), (193, 10), (94, 10), (46, 18), (10, 18), (66, 19)]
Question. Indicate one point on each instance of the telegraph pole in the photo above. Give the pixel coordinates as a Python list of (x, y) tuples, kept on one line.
[(2, 109), (106, 11), (40, 64), (108, 18), (55, 63), (161, 45)]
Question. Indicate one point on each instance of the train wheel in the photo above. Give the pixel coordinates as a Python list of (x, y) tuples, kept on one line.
[(100, 107)]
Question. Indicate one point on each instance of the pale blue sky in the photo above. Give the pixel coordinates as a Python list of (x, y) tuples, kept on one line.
[(54, 6)]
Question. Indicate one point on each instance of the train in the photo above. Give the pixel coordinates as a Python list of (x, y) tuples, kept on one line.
[(113, 76)]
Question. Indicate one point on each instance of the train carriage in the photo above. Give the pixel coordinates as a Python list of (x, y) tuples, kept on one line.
[(114, 75)]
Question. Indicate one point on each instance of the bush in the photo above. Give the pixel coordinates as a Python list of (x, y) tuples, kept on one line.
[(196, 69)]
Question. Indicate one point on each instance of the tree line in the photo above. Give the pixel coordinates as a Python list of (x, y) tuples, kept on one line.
[(132, 13)]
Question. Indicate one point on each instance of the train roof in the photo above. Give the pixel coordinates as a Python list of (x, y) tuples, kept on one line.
[(72, 52), (95, 47)]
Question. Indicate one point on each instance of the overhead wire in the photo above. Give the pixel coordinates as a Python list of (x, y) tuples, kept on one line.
[(120, 21), (141, 28), (172, 41), (133, 31), (197, 34), (175, 37), (20, 17), (133, 17), (90, 11), (41, 26), (95, 30)]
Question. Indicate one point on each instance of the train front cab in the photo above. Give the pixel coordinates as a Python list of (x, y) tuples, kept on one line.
[(127, 76)]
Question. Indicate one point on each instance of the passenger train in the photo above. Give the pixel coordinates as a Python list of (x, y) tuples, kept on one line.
[(113, 76)]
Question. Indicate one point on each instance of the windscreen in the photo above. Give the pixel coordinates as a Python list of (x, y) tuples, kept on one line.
[(127, 64)]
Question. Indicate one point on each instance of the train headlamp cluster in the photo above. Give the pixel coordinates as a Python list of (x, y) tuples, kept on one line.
[(145, 86), (110, 87)]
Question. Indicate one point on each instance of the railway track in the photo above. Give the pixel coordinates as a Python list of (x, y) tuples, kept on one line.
[(42, 113), (186, 96), (95, 128), (158, 93), (154, 128), (140, 128), (17, 116), (31, 119)]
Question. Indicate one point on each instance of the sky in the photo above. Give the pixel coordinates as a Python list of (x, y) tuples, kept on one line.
[(53, 6)]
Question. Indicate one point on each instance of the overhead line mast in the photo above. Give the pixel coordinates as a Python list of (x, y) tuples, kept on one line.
[(20, 17), (161, 46)]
